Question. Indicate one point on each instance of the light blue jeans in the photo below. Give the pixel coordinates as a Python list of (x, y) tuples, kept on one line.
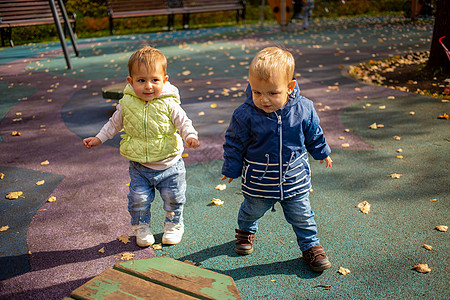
[(171, 184), (297, 211)]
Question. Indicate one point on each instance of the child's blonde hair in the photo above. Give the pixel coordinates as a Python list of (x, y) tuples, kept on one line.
[(149, 57), (270, 60)]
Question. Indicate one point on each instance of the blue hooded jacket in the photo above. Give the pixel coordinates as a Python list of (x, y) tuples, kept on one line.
[(270, 150)]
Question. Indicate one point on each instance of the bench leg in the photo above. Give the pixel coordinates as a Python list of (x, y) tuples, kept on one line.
[(6, 34), (111, 25), (170, 22), (185, 21)]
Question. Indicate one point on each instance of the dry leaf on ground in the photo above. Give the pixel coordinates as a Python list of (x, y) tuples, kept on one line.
[(343, 271), (190, 262), (4, 228), (395, 175), (157, 246), (422, 268), (428, 247), (14, 195), (364, 207), (16, 133), (127, 256), (40, 182), (45, 162), (102, 250), (444, 116), (124, 239), (2, 175), (216, 201), (442, 228), (221, 187), (51, 199)]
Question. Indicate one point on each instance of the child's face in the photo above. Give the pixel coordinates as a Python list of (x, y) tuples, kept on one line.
[(147, 83), (270, 95)]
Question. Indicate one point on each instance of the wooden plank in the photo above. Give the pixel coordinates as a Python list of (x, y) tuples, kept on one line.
[(186, 278), (116, 285)]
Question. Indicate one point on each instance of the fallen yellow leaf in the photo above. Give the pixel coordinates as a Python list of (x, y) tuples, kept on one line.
[(428, 247), (442, 228), (190, 262), (157, 246), (4, 228), (14, 195), (397, 138), (373, 126), (214, 105), (395, 175), (45, 162), (221, 187), (16, 133), (127, 256), (2, 175), (184, 155), (345, 145), (102, 250), (364, 207), (40, 182), (124, 239), (51, 199), (217, 201), (422, 268), (343, 271)]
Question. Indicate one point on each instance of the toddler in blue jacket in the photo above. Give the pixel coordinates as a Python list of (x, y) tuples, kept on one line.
[(267, 144)]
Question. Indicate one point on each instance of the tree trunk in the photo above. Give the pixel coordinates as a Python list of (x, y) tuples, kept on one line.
[(438, 57)]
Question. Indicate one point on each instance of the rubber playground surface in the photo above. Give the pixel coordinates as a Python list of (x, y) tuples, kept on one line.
[(48, 249)]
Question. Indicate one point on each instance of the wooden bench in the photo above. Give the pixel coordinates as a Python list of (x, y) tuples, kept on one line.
[(204, 6), (157, 278), (18, 13), (118, 9)]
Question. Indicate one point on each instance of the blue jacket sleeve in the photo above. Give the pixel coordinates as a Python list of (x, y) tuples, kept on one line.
[(314, 138), (237, 138)]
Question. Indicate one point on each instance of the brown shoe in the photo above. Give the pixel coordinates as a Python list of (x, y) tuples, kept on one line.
[(316, 259), (244, 242)]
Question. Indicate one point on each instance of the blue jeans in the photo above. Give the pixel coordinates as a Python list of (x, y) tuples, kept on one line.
[(171, 184), (297, 211)]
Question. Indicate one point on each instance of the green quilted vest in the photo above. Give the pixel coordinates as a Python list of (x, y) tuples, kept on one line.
[(150, 134)]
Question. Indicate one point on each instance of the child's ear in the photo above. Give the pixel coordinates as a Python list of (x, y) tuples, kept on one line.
[(130, 80), (291, 85)]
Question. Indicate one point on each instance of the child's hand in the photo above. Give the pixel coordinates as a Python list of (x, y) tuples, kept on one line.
[(225, 177), (328, 161), (192, 143), (91, 142)]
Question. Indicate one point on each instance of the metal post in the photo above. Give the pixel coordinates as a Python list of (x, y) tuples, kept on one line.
[(69, 28), (62, 39)]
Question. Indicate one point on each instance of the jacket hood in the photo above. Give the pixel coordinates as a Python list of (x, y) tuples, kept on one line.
[(293, 97)]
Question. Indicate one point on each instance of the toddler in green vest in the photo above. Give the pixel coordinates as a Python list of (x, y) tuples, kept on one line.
[(155, 126)]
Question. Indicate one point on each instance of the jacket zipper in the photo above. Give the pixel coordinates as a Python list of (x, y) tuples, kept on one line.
[(279, 125), (145, 130)]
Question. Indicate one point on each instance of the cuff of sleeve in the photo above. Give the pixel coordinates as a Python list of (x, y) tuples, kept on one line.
[(102, 137)]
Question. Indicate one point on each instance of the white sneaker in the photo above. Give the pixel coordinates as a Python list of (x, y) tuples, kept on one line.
[(172, 233), (144, 237)]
